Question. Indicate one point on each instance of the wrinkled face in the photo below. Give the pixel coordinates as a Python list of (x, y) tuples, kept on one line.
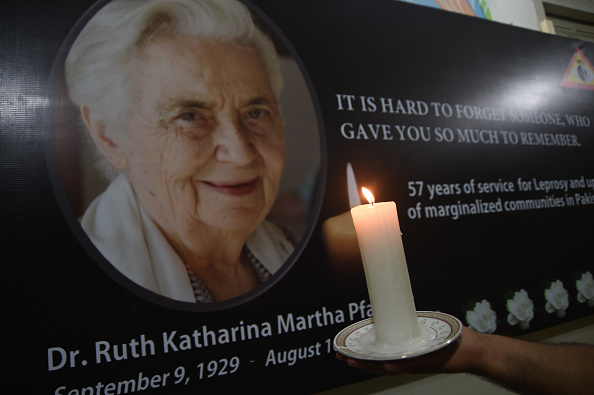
[(205, 142)]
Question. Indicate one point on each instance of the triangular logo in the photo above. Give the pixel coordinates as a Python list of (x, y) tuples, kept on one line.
[(580, 73)]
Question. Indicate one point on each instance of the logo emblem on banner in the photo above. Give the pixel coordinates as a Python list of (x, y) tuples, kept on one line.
[(580, 73)]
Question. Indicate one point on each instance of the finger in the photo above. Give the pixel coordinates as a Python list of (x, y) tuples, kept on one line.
[(341, 357), (373, 367), (394, 368)]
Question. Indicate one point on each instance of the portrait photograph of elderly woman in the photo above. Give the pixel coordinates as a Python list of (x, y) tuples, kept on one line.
[(182, 102)]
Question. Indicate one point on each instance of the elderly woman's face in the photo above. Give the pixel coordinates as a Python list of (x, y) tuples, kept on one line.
[(205, 143)]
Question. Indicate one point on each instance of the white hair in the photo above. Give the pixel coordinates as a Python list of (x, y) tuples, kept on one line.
[(101, 63)]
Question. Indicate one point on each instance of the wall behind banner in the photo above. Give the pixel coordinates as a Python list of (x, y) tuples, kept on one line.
[(519, 13), (569, 18)]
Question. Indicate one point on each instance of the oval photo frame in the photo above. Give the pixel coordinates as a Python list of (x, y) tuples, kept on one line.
[(77, 182)]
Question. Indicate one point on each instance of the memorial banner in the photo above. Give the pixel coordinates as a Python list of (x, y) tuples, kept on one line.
[(177, 179)]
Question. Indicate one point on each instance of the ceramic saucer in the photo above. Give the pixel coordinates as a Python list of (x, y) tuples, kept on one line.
[(437, 331)]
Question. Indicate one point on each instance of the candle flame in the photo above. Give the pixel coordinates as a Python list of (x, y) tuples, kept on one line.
[(368, 195)]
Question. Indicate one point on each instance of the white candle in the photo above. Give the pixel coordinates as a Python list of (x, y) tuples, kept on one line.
[(388, 283)]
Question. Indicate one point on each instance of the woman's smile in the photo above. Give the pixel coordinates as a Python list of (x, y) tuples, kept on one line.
[(233, 188)]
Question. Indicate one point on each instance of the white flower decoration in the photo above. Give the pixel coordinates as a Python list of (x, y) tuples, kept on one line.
[(521, 309), (585, 287), (482, 318), (557, 299)]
